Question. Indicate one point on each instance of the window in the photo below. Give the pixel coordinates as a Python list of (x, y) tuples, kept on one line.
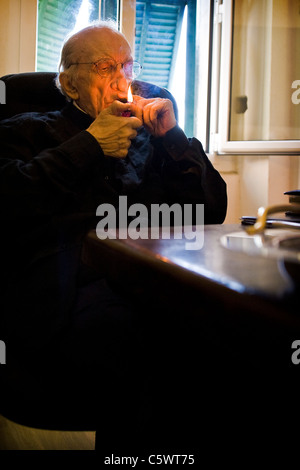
[(165, 47), (56, 19), (258, 94)]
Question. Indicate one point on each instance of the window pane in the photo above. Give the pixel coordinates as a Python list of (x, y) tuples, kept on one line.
[(56, 19), (165, 47), (265, 88)]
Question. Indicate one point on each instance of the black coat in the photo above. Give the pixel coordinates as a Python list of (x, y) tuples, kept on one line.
[(53, 176)]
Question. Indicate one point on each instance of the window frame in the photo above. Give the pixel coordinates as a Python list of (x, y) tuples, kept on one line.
[(222, 60)]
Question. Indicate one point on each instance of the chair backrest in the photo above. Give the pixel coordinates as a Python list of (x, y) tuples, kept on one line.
[(37, 91)]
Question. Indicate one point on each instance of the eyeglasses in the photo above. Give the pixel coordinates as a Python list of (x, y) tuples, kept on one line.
[(107, 67)]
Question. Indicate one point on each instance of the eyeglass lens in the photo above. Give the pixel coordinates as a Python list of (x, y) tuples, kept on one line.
[(107, 67)]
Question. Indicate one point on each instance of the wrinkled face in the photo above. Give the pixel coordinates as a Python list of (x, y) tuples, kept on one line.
[(93, 91)]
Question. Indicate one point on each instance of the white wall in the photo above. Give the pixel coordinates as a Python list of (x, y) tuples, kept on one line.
[(254, 181), (17, 36)]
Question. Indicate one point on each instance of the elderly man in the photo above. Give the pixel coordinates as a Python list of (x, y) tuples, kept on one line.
[(62, 324)]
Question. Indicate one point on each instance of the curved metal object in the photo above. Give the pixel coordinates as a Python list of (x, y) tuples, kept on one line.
[(263, 213)]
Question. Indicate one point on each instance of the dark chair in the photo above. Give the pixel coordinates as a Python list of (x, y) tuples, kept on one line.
[(31, 92)]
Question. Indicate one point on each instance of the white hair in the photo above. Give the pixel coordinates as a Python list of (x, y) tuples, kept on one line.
[(69, 52)]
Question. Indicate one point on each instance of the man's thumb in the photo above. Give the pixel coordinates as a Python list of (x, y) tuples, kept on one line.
[(117, 108)]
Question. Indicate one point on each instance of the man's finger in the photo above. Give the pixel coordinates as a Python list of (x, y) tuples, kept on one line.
[(117, 108)]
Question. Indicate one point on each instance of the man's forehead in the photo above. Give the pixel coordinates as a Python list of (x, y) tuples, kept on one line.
[(106, 43)]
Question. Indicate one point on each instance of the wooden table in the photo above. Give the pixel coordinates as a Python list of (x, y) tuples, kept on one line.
[(221, 324), (248, 298)]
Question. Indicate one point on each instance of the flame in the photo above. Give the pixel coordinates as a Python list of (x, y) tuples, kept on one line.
[(129, 95)]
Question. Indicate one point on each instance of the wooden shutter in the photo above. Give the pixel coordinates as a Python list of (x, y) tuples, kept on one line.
[(158, 26)]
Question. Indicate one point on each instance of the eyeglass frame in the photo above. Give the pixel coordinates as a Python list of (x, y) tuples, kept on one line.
[(115, 67)]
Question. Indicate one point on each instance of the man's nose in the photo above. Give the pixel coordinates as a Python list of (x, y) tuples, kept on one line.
[(120, 80)]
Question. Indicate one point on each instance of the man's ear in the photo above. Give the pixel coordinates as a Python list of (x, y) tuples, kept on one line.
[(67, 86)]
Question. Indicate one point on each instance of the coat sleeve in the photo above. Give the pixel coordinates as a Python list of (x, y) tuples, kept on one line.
[(189, 175), (39, 181)]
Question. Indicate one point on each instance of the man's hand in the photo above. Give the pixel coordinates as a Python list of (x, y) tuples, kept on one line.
[(157, 114), (114, 132)]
